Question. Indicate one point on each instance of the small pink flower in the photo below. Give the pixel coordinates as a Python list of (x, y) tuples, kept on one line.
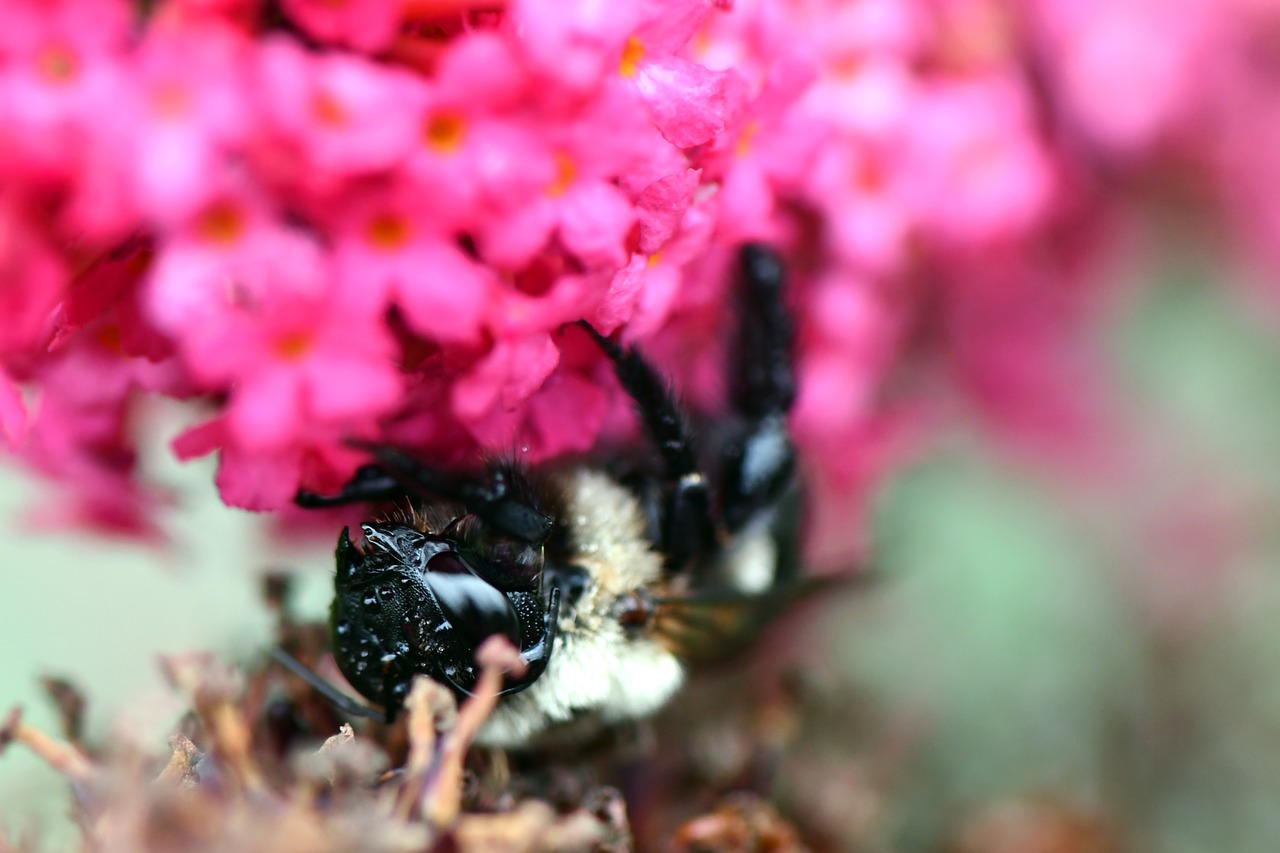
[(80, 28), (1130, 71), (392, 245), (689, 102), (673, 231), (32, 280), (619, 303), (544, 298), (294, 350), (691, 347), (265, 481), (868, 223), (340, 115), (595, 219), (767, 149), (208, 261), (187, 111), (426, 421), (91, 295), (505, 377), (974, 168), (366, 25), (589, 148), (259, 481), (79, 437), (564, 415), (871, 98), (850, 340), (661, 207), (109, 293), (576, 43), (478, 154), (59, 80)]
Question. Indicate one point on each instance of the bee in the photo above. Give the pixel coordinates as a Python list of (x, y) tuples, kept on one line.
[(611, 580)]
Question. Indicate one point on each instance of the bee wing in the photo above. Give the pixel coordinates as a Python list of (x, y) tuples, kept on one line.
[(706, 628)]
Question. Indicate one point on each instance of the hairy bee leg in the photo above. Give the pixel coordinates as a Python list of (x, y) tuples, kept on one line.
[(331, 693), (687, 527), (757, 466), (765, 385), (370, 483), (503, 498)]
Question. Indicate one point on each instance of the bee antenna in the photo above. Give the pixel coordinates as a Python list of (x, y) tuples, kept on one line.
[(336, 697)]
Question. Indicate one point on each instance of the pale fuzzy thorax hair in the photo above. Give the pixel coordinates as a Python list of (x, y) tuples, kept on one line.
[(598, 674)]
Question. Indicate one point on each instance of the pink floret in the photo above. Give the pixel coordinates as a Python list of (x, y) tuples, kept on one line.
[(340, 115), (367, 25), (271, 324)]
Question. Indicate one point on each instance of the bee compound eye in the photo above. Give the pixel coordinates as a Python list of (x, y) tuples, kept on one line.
[(474, 607)]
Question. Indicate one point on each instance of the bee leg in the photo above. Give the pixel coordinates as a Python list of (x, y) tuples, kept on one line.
[(502, 498), (370, 483), (687, 529), (757, 463)]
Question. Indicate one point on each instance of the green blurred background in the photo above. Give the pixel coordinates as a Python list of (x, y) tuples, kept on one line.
[(1110, 644), (99, 611)]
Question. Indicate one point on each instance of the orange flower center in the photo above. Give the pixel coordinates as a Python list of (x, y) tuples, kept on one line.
[(444, 132), (747, 137), (294, 346), (328, 110), (221, 223), (170, 100), (848, 66), (57, 63), (388, 231), (869, 177), (565, 174), (632, 53)]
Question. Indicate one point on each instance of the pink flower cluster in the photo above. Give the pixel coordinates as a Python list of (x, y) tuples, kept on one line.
[(318, 220)]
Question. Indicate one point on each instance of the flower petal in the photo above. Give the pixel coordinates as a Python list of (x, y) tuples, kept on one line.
[(595, 218), (688, 102)]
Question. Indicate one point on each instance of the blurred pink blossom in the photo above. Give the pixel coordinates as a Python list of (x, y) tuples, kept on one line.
[(340, 115), (366, 25), (13, 414), (379, 220)]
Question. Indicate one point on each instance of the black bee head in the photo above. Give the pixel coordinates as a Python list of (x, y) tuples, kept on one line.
[(411, 602), (394, 548)]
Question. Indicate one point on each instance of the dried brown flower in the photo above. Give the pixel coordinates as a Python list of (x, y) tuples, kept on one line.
[(222, 790)]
